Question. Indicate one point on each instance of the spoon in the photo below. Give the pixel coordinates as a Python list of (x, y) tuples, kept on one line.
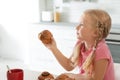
[(9, 69)]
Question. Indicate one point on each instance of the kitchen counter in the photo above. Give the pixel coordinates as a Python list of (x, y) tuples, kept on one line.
[(68, 24), (115, 27)]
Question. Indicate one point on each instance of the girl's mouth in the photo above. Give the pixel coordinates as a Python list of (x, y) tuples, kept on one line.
[(77, 33)]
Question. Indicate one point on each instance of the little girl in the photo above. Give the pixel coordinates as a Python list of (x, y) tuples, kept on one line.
[(91, 52)]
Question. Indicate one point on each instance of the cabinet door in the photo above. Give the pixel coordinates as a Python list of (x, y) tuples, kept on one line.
[(64, 36), (40, 57)]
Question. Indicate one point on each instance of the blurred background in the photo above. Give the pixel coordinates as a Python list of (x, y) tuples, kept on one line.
[(22, 20)]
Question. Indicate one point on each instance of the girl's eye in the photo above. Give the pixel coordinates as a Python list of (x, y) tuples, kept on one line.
[(81, 24)]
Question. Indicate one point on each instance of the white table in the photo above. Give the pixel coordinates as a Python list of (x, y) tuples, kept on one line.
[(28, 75), (31, 75)]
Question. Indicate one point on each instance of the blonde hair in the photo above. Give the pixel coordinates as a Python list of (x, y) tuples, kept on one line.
[(102, 22)]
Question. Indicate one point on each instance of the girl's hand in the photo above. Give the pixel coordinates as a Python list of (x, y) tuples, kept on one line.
[(47, 39), (51, 45)]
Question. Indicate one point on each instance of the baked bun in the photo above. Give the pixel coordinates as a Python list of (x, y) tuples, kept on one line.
[(62, 77), (45, 76), (45, 36)]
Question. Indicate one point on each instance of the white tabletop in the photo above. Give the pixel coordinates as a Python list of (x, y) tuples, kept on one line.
[(28, 75), (31, 75)]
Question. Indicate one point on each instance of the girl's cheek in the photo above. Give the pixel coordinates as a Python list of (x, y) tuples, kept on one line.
[(80, 30)]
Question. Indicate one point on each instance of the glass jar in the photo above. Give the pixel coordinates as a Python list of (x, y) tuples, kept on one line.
[(57, 14)]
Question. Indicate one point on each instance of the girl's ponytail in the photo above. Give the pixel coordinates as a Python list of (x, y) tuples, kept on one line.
[(89, 61)]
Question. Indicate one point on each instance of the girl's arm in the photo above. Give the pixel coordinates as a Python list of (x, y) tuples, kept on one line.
[(64, 61), (100, 69)]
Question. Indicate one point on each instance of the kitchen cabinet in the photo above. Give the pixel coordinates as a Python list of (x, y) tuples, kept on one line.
[(40, 57), (65, 38)]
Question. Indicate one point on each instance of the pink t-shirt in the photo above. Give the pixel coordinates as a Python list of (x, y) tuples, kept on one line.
[(102, 52)]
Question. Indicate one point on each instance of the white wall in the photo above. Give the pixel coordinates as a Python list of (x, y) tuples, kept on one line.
[(112, 7), (71, 11), (15, 17)]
